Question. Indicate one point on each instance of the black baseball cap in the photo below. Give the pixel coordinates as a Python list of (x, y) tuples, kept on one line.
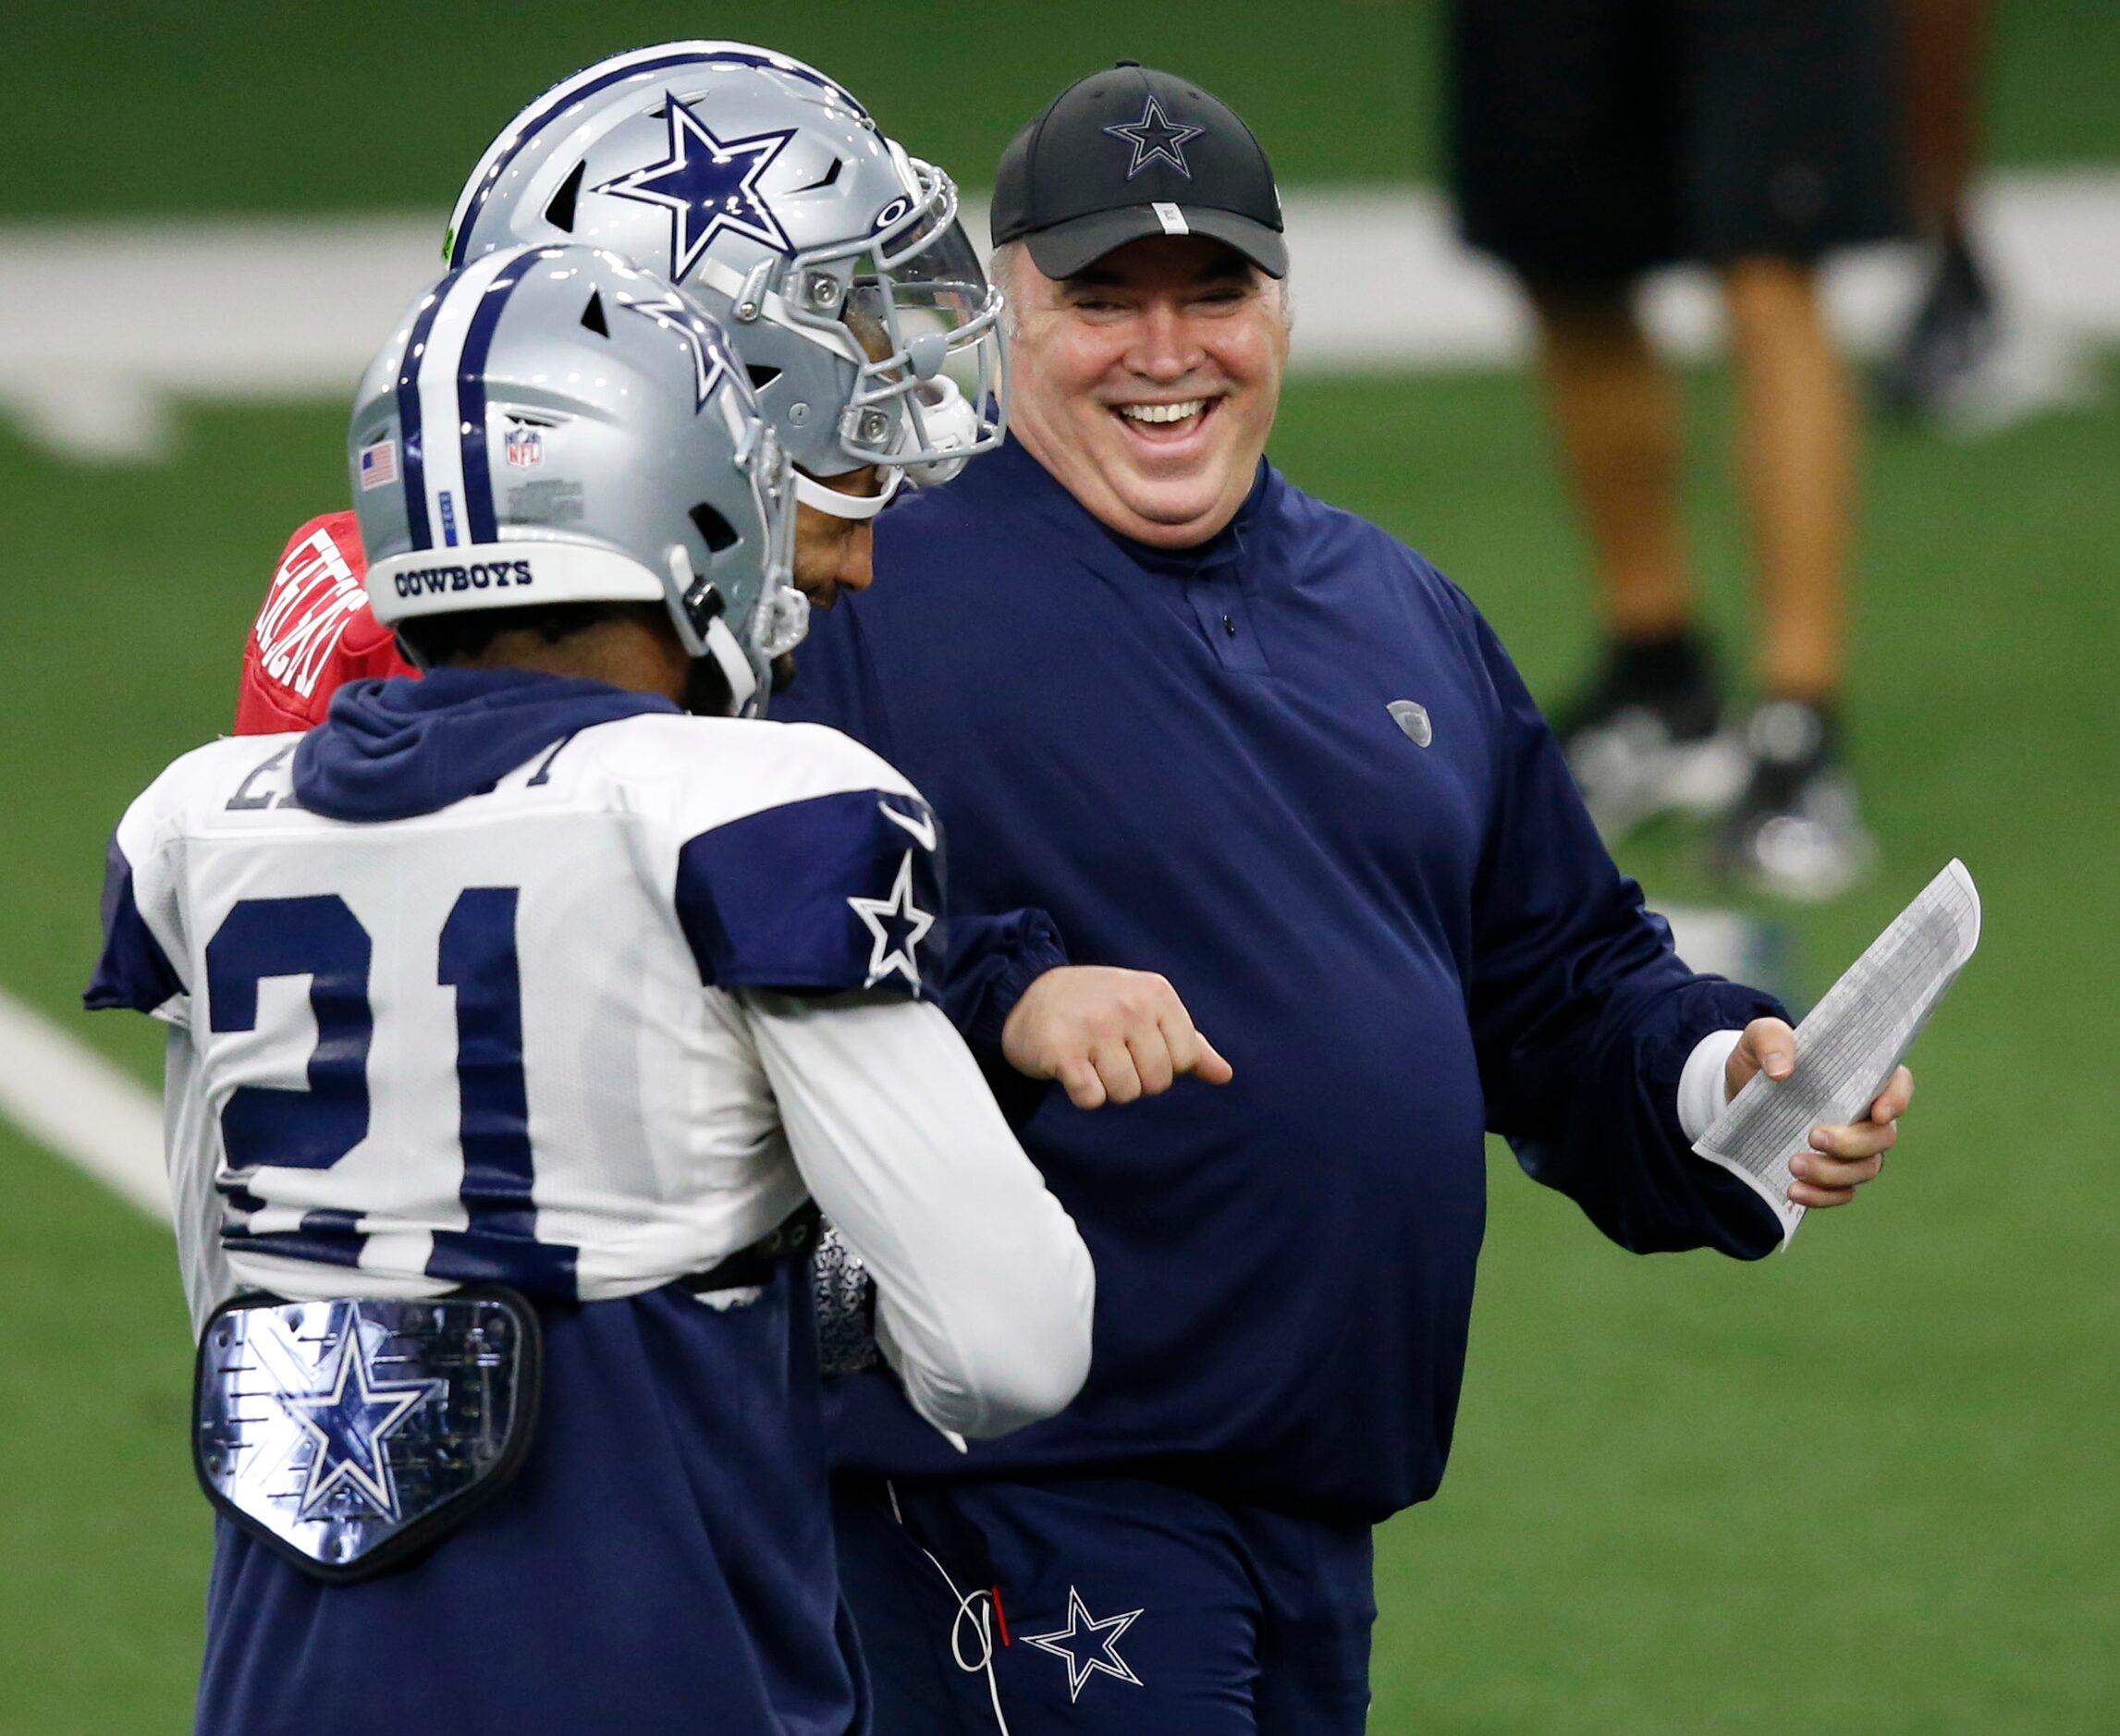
[(1131, 152)]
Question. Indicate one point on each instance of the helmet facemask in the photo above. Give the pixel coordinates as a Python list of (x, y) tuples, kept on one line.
[(915, 301)]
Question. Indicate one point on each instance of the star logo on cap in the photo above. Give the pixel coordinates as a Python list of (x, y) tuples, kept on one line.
[(711, 363), (709, 187), (1157, 139)]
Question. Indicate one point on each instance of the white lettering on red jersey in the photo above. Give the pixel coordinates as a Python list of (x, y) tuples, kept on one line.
[(314, 633)]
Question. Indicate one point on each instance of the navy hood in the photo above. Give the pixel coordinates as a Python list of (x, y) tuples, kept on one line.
[(392, 749)]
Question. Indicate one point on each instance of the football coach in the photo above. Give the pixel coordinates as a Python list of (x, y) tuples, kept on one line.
[(1213, 756)]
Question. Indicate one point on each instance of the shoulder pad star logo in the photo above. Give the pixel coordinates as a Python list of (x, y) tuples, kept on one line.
[(895, 926), (711, 363), (350, 1419), (708, 186), (1090, 1646), (1156, 140)]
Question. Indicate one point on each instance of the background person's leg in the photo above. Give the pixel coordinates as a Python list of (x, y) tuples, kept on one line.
[(1617, 420), (1793, 148), (1797, 431), (1643, 736), (1938, 367), (1796, 830)]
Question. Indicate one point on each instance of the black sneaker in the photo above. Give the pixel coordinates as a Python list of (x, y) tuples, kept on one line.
[(1946, 350), (1647, 737), (1795, 832)]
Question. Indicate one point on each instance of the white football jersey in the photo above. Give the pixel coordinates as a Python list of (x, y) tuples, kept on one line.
[(508, 1040)]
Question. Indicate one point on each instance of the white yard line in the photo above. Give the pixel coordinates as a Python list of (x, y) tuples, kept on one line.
[(73, 1101), (291, 309)]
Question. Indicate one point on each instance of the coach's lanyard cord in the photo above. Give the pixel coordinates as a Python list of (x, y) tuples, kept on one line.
[(978, 1607)]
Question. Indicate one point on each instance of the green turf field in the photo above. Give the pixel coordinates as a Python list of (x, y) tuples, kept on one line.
[(1868, 1487), (1865, 1487), (148, 106)]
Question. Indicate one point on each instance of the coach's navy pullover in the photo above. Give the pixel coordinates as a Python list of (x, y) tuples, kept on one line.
[(1400, 929)]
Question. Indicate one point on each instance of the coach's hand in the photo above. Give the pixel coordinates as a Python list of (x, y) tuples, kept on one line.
[(1840, 1159), (1108, 1035)]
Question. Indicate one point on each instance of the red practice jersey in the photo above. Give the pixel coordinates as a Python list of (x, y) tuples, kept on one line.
[(315, 632)]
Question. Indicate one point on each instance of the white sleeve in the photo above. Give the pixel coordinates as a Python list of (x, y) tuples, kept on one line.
[(1701, 1093), (984, 1288)]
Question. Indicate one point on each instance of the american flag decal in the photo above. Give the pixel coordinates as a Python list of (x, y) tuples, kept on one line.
[(378, 464)]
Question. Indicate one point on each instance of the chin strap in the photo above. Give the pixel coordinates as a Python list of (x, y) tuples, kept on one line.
[(689, 600), (727, 654), (859, 508)]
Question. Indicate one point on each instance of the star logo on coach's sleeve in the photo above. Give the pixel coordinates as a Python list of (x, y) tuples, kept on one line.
[(895, 926), (711, 363), (351, 1420), (1090, 1646), (707, 186), (1156, 140)]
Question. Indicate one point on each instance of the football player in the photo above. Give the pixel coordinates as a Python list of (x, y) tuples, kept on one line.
[(515, 1018), (834, 258)]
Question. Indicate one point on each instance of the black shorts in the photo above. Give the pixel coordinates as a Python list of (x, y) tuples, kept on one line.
[(1593, 140)]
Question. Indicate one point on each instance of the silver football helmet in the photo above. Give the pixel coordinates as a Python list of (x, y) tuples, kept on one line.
[(836, 260), (552, 425)]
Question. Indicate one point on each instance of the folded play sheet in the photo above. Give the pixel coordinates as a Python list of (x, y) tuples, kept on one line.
[(1848, 1045)]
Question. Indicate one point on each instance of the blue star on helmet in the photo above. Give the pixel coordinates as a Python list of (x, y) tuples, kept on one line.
[(352, 1418), (895, 926), (1156, 140), (709, 186), (711, 363), (1090, 1646)]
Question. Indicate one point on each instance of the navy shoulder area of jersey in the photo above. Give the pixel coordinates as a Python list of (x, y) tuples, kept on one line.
[(134, 970), (832, 893)]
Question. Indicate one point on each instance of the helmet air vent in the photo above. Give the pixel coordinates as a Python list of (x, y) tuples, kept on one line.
[(826, 179), (761, 376), (560, 214), (593, 315), (713, 529)]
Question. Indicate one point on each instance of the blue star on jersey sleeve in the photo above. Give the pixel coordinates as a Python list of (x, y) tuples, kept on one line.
[(838, 893)]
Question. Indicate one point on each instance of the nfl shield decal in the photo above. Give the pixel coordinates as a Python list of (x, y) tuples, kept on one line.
[(524, 447)]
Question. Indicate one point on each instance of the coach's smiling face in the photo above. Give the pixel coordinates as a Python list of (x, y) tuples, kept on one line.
[(1147, 381)]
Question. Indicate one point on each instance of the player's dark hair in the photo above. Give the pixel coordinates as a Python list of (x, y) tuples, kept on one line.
[(436, 641)]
